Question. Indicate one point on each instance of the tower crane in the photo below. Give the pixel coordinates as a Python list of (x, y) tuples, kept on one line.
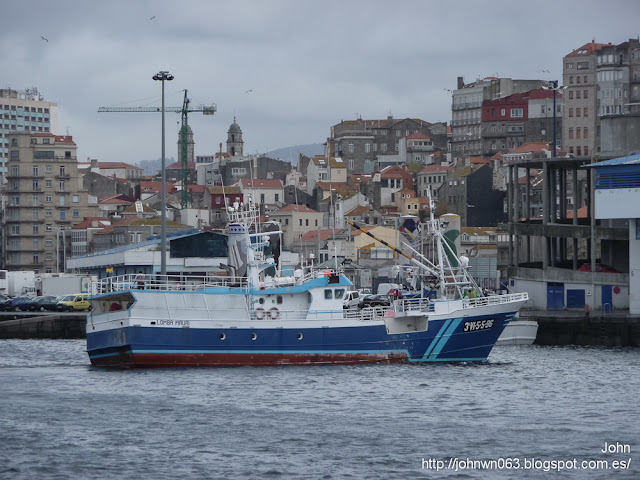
[(184, 130)]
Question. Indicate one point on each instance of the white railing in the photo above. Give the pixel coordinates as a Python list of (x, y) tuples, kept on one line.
[(494, 300), (174, 283)]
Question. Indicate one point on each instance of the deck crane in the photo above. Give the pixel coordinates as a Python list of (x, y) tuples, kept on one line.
[(184, 129)]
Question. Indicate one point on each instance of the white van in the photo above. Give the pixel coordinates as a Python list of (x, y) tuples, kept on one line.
[(351, 299)]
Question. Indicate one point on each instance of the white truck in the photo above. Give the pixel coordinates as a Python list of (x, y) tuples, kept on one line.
[(17, 283), (63, 284)]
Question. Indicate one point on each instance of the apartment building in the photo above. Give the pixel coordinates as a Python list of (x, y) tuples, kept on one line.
[(466, 109), (24, 111), (359, 142), (580, 121), (521, 118), (45, 200)]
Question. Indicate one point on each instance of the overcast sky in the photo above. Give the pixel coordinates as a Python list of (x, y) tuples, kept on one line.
[(287, 69)]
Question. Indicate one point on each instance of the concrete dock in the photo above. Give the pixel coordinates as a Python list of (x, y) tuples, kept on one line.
[(43, 325), (611, 329)]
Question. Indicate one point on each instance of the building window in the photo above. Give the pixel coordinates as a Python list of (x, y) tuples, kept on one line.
[(262, 198), (383, 147), (367, 147), (48, 198), (300, 220), (63, 214), (577, 132), (62, 185), (48, 183), (571, 134), (351, 164), (585, 133), (586, 111), (571, 112), (579, 151), (577, 112), (35, 170), (316, 222), (48, 169), (586, 151), (76, 213), (62, 200), (307, 222), (15, 229), (570, 94), (351, 148), (48, 213), (36, 228)]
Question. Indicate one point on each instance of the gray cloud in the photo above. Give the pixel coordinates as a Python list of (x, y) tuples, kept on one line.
[(309, 64)]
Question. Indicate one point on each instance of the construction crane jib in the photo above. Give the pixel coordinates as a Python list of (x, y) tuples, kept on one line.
[(184, 130)]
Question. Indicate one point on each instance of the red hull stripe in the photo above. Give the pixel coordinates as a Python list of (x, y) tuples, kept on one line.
[(241, 359)]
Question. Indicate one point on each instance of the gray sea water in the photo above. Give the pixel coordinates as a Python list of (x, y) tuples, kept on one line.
[(60, 418)]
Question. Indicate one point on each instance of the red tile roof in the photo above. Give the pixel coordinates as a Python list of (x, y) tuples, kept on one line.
[(479, 160), (296, 208), (394, 171), (531, 147), (587, 49), (156, 187), (418, 136), (357, 211), (178, 166), (88, 222), (436, 168), (312, 235), (196, 188)]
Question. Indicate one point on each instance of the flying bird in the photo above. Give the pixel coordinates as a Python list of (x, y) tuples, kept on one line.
[(250, 90), (546, 71), (45, 39), (152, 18)]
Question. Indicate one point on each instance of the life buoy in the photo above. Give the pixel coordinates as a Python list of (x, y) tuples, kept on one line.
[(274, 313), (262, 286), (259, 313)]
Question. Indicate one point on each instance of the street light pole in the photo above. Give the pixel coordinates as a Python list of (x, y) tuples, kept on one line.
[(555, 88), (162, 76)]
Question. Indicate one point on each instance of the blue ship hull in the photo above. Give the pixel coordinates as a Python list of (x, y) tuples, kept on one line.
[(468, 339)]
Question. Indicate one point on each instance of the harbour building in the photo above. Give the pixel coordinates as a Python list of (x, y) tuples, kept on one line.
[(24, 111), (45, 199)]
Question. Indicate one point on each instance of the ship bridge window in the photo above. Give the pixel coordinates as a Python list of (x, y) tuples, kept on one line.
[(339, 293), (328, 294), (279, 299)]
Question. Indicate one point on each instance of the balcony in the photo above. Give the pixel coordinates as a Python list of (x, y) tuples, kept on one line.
[(63, 176)]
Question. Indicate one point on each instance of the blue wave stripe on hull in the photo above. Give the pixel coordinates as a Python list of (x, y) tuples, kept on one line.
[(445, 338)]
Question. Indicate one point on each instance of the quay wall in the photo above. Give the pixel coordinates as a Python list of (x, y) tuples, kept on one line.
[(56, 326), (570, 328)]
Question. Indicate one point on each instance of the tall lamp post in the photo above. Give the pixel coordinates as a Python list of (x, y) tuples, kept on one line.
[(162, 76)]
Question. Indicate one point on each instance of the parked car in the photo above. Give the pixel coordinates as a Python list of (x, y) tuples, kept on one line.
[(375, 301), (77, 301), (17, 304), (3, 300), (44, 303)]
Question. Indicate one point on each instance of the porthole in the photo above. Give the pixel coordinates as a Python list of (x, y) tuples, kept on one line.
[(261, 301), (222, 336), (253, 336), (299, 336)]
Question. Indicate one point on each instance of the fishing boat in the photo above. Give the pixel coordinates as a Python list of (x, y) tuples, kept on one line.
[(256, 316)]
